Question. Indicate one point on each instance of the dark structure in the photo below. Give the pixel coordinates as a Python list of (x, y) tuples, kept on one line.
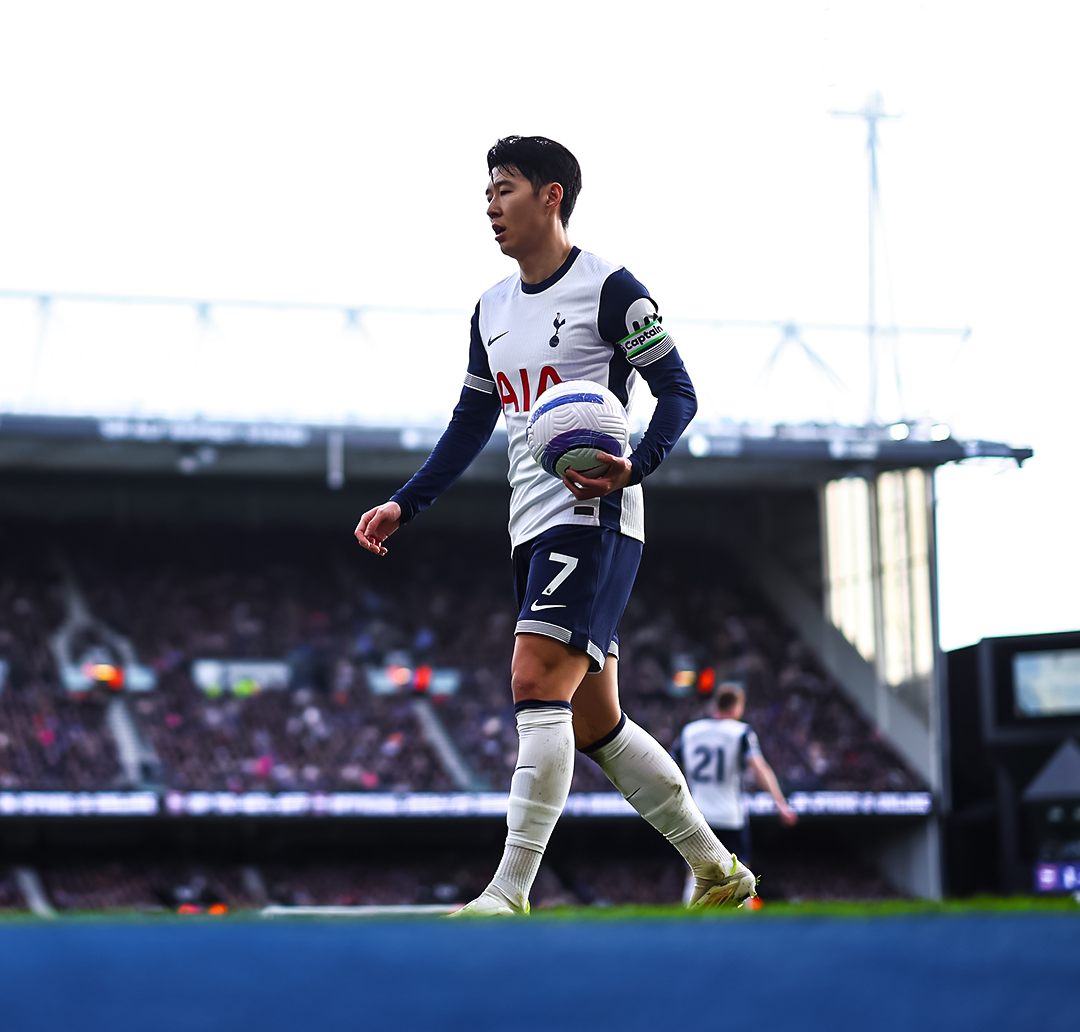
[(1014, 774)]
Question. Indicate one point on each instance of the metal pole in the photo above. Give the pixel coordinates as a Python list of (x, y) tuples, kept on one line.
[(871, 317), (872, 113)]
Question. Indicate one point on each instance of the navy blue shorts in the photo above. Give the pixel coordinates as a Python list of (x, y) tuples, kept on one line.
[(572, 583)]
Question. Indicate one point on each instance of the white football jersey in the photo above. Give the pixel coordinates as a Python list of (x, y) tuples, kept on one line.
[(714, 755), (591, 320)]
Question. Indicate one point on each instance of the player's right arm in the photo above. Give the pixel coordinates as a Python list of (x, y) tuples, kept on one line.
[(469, 430)]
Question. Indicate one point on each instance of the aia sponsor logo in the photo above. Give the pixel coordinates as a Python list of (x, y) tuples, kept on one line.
[(522, 402)]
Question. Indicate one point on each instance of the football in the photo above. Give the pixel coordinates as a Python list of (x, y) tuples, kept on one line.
[(574, 420)]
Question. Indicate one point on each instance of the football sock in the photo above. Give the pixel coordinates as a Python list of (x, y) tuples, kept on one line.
[(651, 781), (538, 792)]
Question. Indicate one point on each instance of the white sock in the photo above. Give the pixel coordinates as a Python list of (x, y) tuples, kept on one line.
[(538, 792), (651, 781)]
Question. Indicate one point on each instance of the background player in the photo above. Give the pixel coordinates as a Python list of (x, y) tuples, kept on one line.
[(566, 314), (715, 752)]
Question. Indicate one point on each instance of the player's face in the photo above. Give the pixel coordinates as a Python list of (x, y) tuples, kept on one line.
[(517, 215)]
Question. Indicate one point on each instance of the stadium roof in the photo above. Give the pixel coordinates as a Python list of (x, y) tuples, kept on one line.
[(726, 455)]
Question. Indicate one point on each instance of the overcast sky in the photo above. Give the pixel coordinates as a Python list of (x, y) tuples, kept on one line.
[(335, 153)]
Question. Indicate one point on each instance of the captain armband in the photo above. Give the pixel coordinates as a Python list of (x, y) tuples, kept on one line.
[(647, 340), (645, 346)]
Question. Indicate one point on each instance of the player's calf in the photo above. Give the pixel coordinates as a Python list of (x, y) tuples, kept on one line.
[(653, 784)]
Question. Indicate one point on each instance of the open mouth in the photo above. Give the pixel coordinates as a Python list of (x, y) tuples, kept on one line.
[(498, 230)]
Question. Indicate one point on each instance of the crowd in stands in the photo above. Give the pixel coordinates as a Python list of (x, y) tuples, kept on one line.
[(287, 741), (156, 885), (332, 612), (10, 896), (134, 885), (48, 738)]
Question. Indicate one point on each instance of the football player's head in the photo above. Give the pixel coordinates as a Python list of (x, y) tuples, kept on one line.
[(542, 162), (730, 699)]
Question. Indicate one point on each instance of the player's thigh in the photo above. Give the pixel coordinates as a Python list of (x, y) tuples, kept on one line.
[(546, 668), (596, 705), (572, 584)]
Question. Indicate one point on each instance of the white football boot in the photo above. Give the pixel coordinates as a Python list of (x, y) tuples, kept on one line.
[(488, 904), (717, 889)]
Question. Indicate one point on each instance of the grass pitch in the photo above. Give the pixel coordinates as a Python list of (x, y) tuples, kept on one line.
[(768, 911)]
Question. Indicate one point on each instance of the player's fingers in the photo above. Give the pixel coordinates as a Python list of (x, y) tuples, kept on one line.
[(365, 521), (584, 481), (370, 545), (596, 486), (576, 487), (366, 534), (585, 494)]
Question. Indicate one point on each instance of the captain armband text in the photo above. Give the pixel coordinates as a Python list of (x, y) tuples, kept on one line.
[(644, 346)]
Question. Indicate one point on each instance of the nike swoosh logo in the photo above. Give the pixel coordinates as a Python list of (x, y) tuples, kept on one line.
[(536, 609), (491, 340)]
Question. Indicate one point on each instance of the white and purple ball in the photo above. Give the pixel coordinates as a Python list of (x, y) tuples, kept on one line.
[(573, 421)]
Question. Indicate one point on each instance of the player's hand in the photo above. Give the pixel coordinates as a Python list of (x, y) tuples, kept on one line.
[(616, 478), (376, 525), (787, 815)]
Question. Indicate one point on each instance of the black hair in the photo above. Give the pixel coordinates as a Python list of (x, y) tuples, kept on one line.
[(541, 161)]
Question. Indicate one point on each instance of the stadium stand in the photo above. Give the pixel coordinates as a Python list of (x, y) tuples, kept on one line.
[(11, 899), (156, 885), (332, 614), (49, 738), (151, 885), (222, 595)]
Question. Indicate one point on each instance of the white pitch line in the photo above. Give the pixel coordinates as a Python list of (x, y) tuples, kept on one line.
[(275, 910)]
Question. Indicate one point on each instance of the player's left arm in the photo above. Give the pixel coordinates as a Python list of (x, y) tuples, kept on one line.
[(631, 322), (767, 779)]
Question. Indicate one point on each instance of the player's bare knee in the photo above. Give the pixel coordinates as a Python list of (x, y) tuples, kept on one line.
[(543, 668), (528, 686), (588, 732)]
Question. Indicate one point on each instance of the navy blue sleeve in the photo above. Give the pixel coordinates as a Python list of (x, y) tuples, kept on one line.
[(630, 321), (469, 430), (676, 405)]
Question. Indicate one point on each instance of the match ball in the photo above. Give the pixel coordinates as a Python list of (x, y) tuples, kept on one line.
[(573, 421)]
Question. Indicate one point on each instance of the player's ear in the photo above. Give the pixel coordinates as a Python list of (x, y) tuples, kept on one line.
[(553, 195)]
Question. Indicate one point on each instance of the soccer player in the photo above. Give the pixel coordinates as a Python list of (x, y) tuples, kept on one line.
[(576, 543), (714, 753)]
